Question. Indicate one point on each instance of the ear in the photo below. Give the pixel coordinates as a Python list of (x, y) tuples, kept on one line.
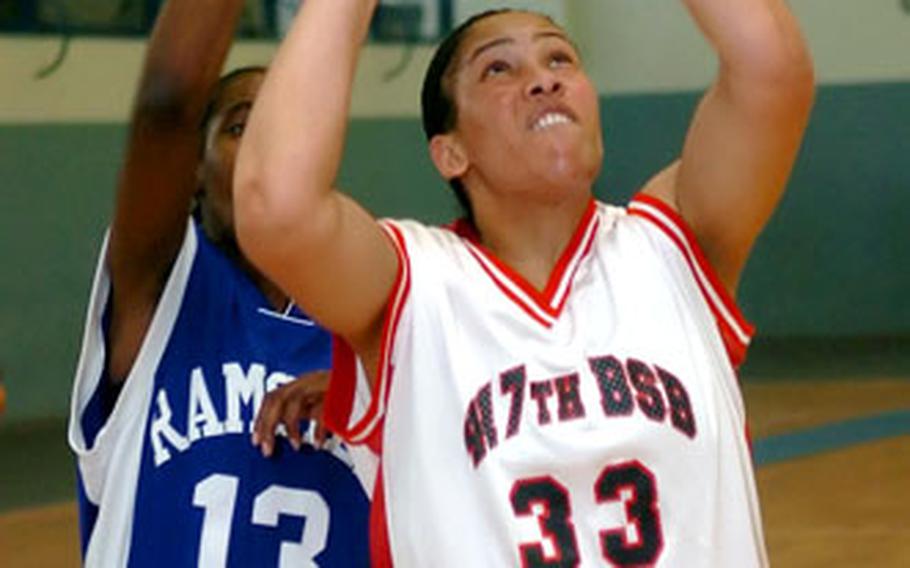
[(448, 156)]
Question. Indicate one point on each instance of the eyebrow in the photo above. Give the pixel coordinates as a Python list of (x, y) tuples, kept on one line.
[(237, 108), (507, 40)]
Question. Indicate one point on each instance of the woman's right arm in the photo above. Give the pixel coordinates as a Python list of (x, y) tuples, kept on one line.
[(158, 179), (317, 244)]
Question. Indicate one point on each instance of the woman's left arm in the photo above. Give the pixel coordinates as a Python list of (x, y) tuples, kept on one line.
[(746, 131)]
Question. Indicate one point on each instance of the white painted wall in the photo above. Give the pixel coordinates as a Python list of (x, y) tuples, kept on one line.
[(652, 45), (630, 46), (97, 79), (556, 9)]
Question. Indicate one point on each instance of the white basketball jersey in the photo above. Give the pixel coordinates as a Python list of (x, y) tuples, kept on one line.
[(596, 423)]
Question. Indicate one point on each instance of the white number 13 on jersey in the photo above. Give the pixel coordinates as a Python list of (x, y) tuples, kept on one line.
[(217, 494)]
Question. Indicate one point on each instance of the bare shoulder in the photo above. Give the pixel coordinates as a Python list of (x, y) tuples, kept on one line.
[(662, 185)]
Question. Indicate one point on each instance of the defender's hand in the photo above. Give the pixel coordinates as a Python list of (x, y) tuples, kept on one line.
[(286, 406)]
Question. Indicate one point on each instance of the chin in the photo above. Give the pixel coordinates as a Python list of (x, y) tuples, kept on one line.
[(574, 171)]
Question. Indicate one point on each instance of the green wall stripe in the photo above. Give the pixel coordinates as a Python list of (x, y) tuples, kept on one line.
[(833, 261)]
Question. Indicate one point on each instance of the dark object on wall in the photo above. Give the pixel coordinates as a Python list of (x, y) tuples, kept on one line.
[(397, 23), (409, 24)]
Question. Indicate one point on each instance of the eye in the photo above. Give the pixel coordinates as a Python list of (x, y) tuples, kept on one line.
[(560, 59), (496, 67), (236, 129)]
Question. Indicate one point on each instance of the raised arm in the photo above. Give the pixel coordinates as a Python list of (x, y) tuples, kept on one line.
[(746, 131), (314, 242), (156, 186)]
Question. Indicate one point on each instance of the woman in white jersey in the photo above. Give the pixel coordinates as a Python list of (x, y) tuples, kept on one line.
[(553, 378)]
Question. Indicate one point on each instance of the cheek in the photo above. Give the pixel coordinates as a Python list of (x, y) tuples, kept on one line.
[(229, 149), (219, 173), (221, 161), (590, 106), (491, 126), (587, 95)]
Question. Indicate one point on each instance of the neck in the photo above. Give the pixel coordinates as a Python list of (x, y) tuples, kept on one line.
[(277, 299), (530, 236)]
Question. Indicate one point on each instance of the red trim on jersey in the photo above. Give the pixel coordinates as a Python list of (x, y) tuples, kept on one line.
[(541, 319), (735, 331), (380, 551), (543, 306), (464, 229), (340, 398), (399, 294)]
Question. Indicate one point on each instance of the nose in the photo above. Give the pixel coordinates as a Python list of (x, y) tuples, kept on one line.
[(542, 82)]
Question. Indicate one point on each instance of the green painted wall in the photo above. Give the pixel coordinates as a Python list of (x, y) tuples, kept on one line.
[(55, 194), (833, 261)]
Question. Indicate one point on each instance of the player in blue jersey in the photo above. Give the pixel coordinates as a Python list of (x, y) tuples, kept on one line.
[(184, 339)]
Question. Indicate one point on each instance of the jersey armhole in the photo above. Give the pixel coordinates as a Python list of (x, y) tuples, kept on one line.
[(341, 399), (96, 450), (735, 331)]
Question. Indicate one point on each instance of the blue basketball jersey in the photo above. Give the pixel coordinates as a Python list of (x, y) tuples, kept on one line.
[(168, 477)]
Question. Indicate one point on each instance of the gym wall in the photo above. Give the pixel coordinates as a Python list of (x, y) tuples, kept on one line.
[(832, 263)]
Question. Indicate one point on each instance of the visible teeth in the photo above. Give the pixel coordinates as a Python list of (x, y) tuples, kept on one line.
[(551, 119)]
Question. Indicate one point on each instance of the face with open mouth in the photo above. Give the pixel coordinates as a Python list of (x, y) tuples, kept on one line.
[(527, 113), (551, 119)]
